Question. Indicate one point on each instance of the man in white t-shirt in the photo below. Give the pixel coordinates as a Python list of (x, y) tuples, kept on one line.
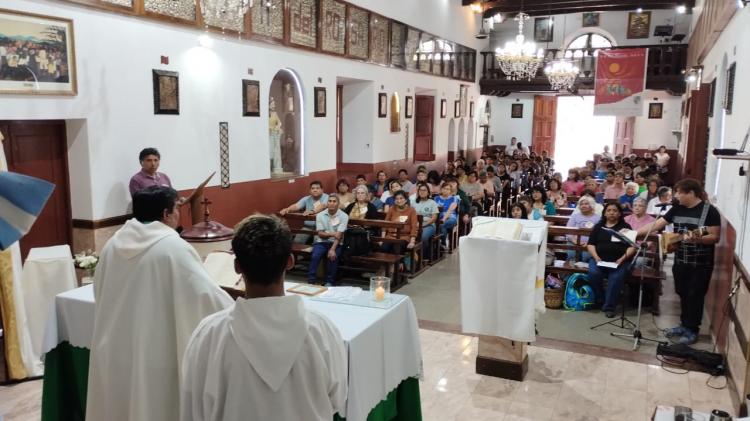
[(268, 357)]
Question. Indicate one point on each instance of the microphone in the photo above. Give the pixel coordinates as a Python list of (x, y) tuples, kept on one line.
[(662, 205)]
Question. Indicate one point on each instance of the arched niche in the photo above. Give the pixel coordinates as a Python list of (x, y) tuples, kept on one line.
[(285, 125)]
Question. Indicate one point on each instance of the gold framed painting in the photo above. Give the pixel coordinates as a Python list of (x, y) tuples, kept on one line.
[(37, 54), (639, 24), (655, 110)]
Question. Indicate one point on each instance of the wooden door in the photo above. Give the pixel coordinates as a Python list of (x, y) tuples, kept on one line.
[(544, 124), (423, 122), (693, 151), (39, 149), (339, 124), (624, 129)]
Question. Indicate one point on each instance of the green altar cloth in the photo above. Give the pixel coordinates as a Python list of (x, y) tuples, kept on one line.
[(66, 372)]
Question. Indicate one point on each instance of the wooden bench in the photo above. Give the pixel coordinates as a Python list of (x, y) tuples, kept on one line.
[(652, 273), (558, 220)]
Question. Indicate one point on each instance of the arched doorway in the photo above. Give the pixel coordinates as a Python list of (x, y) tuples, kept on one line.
[(285, 126)]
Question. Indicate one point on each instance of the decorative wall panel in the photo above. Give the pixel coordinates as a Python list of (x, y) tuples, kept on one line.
[(232, 21), (303, 20), (410, 49), (127, 3), (398, 41), (379, 39), (182, 9), (333, 15), (268, 18), (359, 32)]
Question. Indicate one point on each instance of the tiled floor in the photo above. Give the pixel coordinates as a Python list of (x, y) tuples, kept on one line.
[(560, 385)]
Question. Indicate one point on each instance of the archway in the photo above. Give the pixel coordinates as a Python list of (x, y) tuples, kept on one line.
[(285, 125)]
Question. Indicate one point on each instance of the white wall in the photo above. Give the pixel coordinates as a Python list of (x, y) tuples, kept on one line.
[(567, 27), (723, 183), (502, 127), (115, 55), (652, 133)]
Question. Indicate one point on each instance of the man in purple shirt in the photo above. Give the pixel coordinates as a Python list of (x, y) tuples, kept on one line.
[(148, 176)]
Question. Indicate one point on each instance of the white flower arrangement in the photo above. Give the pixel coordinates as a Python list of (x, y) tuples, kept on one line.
[(86, 260)]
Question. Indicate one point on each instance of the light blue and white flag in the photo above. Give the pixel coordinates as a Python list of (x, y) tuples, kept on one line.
[(22, 198)]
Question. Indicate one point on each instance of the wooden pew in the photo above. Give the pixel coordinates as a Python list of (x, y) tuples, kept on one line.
[(558, 220)]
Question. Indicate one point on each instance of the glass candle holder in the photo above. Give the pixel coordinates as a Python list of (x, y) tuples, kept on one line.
[(380, 288)]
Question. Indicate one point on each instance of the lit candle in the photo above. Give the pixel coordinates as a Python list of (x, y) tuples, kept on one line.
[(379, 294)]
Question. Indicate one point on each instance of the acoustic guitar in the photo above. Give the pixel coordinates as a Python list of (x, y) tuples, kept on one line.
[(670, 241)]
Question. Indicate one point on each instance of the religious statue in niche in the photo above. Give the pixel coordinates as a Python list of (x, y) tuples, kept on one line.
[(285, 126), (275, 131)]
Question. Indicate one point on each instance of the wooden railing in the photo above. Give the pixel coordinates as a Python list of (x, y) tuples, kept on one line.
[(663, 70)]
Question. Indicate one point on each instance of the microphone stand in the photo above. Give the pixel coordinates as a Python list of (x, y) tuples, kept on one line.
[(636, 334)]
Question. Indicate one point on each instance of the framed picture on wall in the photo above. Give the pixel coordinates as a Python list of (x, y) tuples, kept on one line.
[(409, 107), (250, 98), (655, 110), (443, 108), (543, 29), (51, 68), (382, 105), (320, 102), (516, 111), (471, 109), (590, 19), (639, 25), (457, 109), (303, 23), (166, 92)]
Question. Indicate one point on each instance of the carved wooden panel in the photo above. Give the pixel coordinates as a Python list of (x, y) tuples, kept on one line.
[(182, 9), (359, 33), (398, 42), (411, 47), (268, 18), (333, 34), (378, 39), (303, 21), (127, 3)]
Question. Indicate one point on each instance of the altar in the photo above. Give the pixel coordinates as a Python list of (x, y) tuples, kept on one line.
[(382, 344)]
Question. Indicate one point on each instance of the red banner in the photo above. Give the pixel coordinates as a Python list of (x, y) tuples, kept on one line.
[(620, 79)]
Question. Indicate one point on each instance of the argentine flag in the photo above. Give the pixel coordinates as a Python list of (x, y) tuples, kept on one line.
[(22, 198)]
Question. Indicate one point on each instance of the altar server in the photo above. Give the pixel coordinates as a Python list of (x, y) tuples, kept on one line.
[(268, 357), (151, 291)]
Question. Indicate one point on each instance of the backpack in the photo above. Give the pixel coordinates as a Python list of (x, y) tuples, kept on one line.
[(579, 295), (356, 242)]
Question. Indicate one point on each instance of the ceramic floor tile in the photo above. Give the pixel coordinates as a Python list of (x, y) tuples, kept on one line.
[(626, 375), (537, 393), (480, 407), (522, 411), (496, 388)]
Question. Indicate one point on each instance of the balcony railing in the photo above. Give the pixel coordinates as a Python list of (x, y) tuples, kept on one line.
[(663, 70)]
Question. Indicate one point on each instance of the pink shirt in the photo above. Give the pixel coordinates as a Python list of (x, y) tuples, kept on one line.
[(573, 188), (614, 192), (636, 223)]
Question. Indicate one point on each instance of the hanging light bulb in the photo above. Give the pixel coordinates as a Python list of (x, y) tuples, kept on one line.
[(519, 59), (562, 74)]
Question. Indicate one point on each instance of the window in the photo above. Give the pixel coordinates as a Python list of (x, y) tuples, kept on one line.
[(590, 40)]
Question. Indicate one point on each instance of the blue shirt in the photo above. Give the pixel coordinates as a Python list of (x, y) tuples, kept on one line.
[(326, 222), (445, 204), (307, 203)]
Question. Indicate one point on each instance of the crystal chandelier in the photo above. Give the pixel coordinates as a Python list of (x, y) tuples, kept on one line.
[(519, 59), (225, 13), (562, 74)]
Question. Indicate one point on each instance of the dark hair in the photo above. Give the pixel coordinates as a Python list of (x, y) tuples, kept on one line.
[(403, 194), (553, 180), (148, 151), (663, 191), (316, 182), (403, 171), (362, 176), (433, 177), (340, 182), (576, 175), (377, 174), (518, 205), (391, 181), (604, 212), (687, 185), (588, 192), (539, 189), (262, 244), (474, 173), (150, 203), (419, 186)]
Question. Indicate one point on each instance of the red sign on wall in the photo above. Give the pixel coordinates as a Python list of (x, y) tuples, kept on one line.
[(620, 80)]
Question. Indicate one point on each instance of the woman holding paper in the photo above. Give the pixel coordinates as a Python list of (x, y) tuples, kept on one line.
[(610, 257)]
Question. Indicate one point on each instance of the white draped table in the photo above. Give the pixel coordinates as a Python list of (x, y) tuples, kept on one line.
[(382, 344)]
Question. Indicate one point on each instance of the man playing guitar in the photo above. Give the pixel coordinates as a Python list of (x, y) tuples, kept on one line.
[(694, 257)]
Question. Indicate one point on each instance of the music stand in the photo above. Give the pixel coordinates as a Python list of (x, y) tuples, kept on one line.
[(636, 333)]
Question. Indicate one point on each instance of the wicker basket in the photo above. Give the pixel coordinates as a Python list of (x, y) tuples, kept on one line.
[(553, 297)]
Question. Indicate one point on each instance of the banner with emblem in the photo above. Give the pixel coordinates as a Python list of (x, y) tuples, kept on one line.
[(620, 80)]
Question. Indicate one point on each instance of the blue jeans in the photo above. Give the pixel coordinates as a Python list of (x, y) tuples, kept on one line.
[(320, 251), (616, 277), (427, 233), (447, 226)]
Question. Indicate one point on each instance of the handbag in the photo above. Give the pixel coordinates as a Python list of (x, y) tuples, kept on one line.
[(356, 242)]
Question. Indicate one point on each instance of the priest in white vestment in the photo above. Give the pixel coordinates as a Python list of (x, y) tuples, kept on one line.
[(268, 357), (151, 291)]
